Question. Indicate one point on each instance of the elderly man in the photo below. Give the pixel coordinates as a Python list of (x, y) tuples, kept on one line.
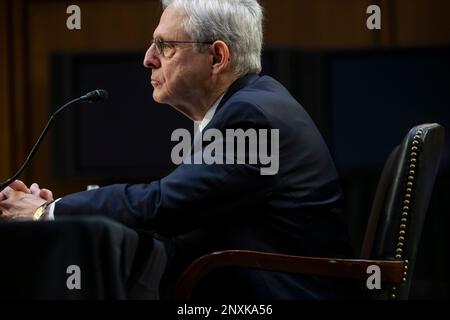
[(205, 60)]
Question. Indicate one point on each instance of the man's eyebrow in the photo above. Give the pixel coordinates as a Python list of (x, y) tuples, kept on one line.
[(158, 37)]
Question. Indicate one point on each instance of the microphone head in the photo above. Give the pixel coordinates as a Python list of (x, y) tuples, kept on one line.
[(96, 95)]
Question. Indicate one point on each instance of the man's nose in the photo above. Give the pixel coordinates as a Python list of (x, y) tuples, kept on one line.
[(151, 59)]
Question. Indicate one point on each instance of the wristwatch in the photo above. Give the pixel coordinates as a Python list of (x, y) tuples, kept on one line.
[(40, 212)]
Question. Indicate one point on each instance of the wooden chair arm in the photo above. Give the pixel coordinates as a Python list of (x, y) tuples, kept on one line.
[(391, 271)]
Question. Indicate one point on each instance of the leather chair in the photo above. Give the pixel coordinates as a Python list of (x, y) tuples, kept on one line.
[(392, 235)]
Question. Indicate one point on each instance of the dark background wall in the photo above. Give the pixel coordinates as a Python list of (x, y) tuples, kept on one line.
[(42, 63)]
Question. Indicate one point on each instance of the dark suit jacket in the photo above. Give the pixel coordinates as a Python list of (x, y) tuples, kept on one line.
[(201, 208)]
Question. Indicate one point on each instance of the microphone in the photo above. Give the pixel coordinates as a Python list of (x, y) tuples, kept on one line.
[(93, 96)]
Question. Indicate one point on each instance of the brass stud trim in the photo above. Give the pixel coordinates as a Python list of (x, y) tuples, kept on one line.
[(408, 196)]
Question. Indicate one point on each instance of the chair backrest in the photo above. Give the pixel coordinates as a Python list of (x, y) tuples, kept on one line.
[(401, 202)]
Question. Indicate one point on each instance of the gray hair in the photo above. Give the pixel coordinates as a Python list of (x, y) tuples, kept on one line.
[(236, 22)]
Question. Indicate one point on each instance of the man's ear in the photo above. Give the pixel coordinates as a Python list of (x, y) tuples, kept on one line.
[(220, 56)]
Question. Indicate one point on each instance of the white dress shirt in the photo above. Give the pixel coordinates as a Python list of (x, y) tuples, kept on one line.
[(210, 114)]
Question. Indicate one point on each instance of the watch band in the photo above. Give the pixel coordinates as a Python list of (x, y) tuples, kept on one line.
[(40, 212)]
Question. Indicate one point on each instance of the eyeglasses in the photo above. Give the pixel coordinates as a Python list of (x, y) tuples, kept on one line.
[(167, 48)]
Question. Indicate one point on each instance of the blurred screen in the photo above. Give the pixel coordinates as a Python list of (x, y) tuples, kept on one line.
[(375, 99)]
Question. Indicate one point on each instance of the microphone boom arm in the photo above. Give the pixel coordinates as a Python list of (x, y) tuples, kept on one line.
[(93, 96), (3, 185)]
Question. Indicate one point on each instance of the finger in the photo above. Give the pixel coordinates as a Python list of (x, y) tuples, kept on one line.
[(2, 196), (5, 205), (19, 186), (46, 194), (35, 189), (6, 192), (5, 216)]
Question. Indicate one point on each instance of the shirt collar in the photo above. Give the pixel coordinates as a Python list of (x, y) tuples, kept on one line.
[(210, 114)]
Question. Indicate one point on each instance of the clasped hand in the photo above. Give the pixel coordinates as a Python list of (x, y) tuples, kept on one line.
[(18, 202)]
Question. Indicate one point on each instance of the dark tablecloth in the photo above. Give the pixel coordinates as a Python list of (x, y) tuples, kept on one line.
[(115, 262)]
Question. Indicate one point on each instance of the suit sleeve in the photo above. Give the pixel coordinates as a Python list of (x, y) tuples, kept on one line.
[(189, 196)]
